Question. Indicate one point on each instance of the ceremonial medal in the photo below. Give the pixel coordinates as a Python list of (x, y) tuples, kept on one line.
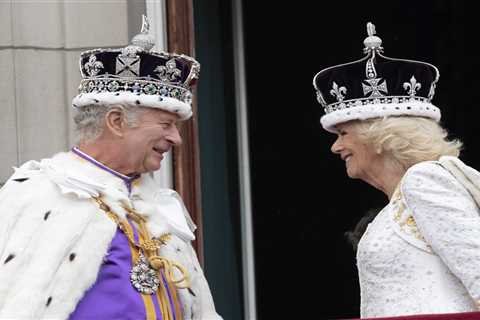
[(143, 277)]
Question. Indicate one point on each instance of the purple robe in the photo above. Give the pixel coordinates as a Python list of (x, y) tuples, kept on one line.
[(113, 296)]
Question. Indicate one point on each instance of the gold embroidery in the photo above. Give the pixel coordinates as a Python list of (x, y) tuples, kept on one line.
[(404, 219)]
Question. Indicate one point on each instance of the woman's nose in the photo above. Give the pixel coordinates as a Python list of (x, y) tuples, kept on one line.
[(336, 146)]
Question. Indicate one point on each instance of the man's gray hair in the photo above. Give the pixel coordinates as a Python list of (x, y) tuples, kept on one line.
[(89, 120)]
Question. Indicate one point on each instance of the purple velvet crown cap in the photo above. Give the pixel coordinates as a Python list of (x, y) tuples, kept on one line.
[(138, 75)]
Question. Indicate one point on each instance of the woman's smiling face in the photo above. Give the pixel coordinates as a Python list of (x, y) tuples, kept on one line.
[(358, 155)]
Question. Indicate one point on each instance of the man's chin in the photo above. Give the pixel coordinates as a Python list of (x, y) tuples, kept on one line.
[(153, 166)]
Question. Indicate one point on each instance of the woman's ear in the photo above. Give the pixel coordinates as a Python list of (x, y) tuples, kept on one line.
[(115, 121)]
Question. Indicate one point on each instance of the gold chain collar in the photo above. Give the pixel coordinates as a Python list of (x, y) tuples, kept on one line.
[(147, 244)]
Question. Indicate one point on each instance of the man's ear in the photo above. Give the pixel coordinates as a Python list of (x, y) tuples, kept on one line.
[(115, 121)]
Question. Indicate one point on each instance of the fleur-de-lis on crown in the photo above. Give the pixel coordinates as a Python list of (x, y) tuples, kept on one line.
[(412, 86), (338, 92), (93, 66), (169, 72)]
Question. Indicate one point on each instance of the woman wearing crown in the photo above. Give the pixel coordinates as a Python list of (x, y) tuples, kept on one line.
[(421, 253)]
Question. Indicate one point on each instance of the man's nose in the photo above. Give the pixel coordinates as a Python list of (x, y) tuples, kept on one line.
[(174, 137)]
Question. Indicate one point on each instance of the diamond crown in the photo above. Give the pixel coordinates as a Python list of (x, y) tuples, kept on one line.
[(139, 69)]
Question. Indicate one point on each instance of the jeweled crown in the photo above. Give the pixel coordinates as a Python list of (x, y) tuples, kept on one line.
[(151, 78), (376, 86)]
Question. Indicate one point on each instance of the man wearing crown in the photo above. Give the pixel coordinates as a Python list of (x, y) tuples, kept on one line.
[(87, 234)]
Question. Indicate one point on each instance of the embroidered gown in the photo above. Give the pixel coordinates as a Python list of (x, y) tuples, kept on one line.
[(421, 254)]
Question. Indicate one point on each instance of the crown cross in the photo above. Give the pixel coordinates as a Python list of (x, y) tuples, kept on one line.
[(93, 66), (412, 86), (128, 66), (375, 88), (145, 24), (338, 92), (169, 72)]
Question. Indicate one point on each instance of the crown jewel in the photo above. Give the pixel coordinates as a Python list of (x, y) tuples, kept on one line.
[(138, 75), (372, 42), (144, 39), (376, 86)]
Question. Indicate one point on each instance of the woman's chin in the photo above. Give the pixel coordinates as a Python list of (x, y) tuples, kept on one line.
[(352, 174)]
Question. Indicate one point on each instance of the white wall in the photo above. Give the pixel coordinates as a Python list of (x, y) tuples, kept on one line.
[(40, 42)]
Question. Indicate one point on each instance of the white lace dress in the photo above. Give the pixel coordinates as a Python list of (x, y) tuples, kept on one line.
[(421, 254)]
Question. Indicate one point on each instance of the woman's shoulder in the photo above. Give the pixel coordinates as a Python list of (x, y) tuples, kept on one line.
[(425, 167), (427, 174), (431, 182)]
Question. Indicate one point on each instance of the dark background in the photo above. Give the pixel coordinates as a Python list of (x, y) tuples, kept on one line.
[(303, 202)]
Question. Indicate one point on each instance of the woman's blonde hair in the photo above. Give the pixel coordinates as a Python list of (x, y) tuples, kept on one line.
[(408, 140)]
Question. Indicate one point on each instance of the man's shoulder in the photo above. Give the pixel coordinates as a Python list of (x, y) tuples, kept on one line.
[(21, 188), (29, 181)]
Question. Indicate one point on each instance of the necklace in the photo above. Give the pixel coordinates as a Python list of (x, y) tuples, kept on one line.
[(144, 275)]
